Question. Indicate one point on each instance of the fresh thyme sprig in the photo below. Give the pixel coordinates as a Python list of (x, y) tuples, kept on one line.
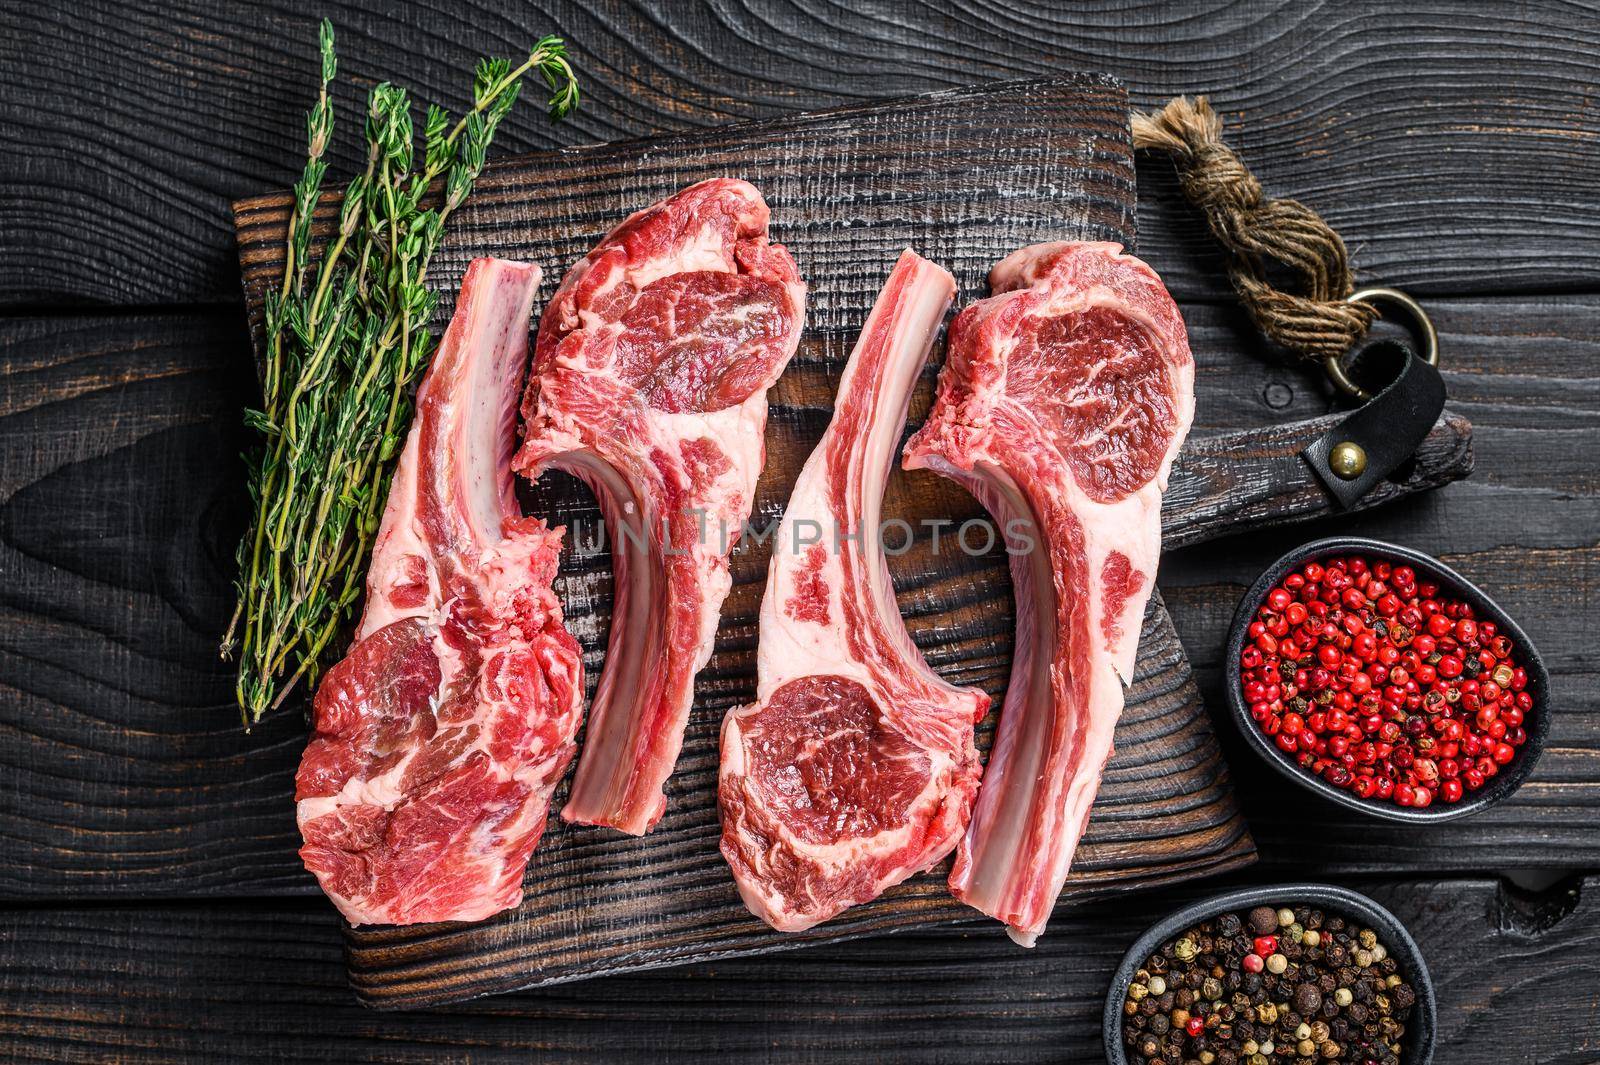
[(346, 339)]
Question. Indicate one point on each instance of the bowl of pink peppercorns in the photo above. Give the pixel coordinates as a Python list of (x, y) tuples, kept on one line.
[(1385, 681)]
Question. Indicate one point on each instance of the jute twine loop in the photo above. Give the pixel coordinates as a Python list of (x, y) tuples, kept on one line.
[(1316, 322)]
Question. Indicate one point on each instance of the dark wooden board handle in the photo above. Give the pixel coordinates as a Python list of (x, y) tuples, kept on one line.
[(1241, 481)]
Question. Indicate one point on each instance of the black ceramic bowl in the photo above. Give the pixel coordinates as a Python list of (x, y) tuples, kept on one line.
[(1452, 585), (1416, 1045)]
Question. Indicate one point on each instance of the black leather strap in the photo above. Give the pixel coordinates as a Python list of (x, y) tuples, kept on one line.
[(1389, 428)]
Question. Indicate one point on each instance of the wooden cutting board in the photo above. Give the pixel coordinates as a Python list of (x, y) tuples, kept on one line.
[(963, 177)]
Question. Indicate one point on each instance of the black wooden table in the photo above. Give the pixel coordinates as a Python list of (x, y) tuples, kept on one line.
[(151, 906)]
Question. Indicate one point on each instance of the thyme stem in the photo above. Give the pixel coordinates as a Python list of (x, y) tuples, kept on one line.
[(342, 360)]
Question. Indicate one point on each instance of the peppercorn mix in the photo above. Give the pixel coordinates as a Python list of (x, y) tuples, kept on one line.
[(1268, 987)]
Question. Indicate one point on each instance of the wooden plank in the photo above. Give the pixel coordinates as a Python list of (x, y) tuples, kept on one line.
[(848, 190), (1376, 115), (120, 495), (128, 775), (263, 981)]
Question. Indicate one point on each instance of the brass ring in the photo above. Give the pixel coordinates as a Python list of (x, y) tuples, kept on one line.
[(1424, 324)]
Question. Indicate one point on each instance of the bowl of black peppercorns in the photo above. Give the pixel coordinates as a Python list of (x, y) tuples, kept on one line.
[(1298, 974)]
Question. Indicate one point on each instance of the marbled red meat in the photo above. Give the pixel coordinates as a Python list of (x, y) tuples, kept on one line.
[(650, 382), (440, 736), (1064, 399), (856, 766)]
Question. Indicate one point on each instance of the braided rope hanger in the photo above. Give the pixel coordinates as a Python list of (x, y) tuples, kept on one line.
[(1321, 321)]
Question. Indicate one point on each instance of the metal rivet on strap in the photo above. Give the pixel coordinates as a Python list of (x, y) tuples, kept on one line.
[(1348, 460)]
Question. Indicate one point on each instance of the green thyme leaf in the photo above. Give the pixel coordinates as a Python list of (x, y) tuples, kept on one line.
[(347, 337)]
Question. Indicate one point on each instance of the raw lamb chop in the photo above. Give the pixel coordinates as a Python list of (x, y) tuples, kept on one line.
[(441, 735), (1063, 401), (650, 381), (856, 766)]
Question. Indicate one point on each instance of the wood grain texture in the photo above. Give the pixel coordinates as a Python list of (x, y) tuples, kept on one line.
[(119, 496), (263, 982), (1430, 135), (1229, 484), (848, 189)]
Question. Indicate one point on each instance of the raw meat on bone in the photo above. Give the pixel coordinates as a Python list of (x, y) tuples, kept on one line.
[(856, 766), (650, 381), (1063, 401), (440, 736)]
